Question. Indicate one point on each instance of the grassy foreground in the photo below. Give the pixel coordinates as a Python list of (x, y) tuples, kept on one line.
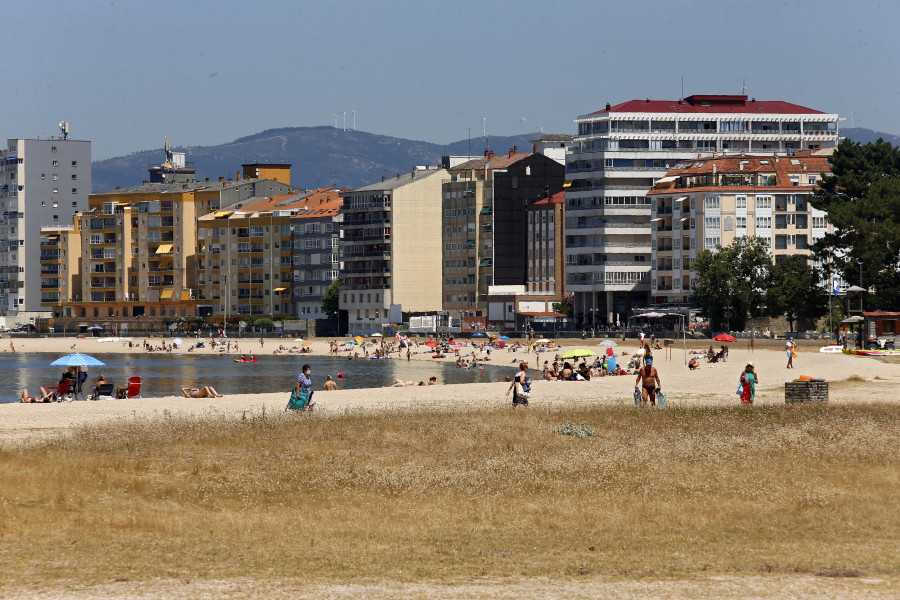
[(443, 496)]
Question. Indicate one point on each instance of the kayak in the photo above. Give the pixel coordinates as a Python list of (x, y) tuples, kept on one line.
[(237, 360)]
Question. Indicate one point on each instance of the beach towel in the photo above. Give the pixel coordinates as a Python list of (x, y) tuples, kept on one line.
[(299, 400)]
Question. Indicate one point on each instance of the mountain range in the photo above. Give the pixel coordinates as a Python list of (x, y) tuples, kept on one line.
[(320, 156), (326, 156)]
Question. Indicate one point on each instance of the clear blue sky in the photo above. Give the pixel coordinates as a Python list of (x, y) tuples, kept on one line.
[(125, 73)]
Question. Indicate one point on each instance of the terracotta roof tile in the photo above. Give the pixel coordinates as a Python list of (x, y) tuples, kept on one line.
[(717, 104)]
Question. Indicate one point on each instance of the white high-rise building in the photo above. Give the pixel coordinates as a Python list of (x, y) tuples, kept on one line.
[(43, 183), (622, 151)]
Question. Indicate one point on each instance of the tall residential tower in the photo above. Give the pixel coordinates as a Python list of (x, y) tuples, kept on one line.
[(623, 150)]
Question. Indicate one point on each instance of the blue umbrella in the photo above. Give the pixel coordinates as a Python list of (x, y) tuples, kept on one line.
[(94, 328), (77, 360), (477, 334), (502, 337)]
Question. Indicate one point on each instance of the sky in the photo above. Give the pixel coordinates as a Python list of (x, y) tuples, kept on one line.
[(126, 73)]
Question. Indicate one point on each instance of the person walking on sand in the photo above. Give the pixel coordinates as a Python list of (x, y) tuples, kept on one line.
[(749, 381), (520, 386), (791, 353), (648, 381)]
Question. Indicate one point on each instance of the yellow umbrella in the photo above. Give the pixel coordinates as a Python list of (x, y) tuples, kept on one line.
[(306, 344)]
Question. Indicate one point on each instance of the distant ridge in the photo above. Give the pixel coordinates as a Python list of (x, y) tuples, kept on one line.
[(319, 155), (866, 136)]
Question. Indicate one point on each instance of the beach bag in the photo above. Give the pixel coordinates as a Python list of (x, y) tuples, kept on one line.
[(299, 400), (740, 388), (637, 397), (660, 397), (523, 389)]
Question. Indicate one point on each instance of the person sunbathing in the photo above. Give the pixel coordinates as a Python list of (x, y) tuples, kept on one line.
[(46, 396), (207, 391)]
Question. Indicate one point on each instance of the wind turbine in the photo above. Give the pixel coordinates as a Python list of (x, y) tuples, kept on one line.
[(353, 114), (484, 127), (344, 112), (335, 120), (522, 122)]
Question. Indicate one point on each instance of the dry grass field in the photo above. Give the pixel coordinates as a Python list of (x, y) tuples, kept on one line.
[(451, 497)]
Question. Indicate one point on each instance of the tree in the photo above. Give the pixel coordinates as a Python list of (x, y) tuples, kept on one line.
[(331, 298), (862, 199), (795, 291), (563, 307), (730, 282)]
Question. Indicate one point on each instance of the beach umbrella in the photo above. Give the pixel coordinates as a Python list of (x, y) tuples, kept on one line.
[(493, 334), (503, 337), (178, 341), (299, 340), (77, 360), (486, 348), (431, 344), (724, 337), (477, 334), (578, 353), (460, 344), (350, 343), (542, 341), (94, 328), (306, 344), (608, 343), (376, 334)]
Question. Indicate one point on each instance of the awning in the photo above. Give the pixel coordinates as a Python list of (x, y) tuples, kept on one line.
[(185, 294), (164, 249), (223, 213), (485, 262), (486, 210), (470, 243), (667, 179), (166, 294), (279, 289), (567, 184)]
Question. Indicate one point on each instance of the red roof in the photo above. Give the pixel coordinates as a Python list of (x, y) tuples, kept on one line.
[(710, 104), (557, 198), (541, 314)]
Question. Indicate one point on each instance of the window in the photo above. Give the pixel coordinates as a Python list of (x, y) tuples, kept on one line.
[(764, 222), (55, 163), (74, 190), (711, 203), (740, 202), (74, 176), (711, 223), (74, 163), (52, 148), (764, 202)]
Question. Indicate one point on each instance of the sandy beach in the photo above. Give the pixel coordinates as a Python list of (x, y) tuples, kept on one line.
[(851, 378)]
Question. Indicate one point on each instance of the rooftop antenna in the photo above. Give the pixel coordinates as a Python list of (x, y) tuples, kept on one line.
[(682, 87), (744, 87), (64, 129), (470, 141), (168, 152), (522, 122)]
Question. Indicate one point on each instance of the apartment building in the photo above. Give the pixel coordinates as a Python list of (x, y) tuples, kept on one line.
[(245, 264), (391, 248), (701, 204), (620, 152), (138, 249), (485, 227), (43, 183), (317, 236)]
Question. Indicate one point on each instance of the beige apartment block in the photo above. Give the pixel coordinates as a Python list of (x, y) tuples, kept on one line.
[(391, 248), (709, 202), (245, 264), (139, 251)]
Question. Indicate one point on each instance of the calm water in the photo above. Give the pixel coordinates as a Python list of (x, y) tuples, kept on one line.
[(165, 374)]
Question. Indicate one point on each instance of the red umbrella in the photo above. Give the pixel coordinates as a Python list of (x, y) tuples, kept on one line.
[(431, 344), (724, 337)]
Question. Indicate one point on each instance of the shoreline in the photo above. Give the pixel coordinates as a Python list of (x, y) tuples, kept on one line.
[(851, 379)]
